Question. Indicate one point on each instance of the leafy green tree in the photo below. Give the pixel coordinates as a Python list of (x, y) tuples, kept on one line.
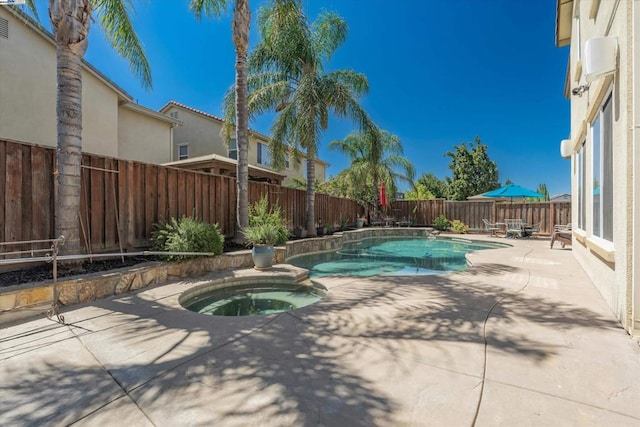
[(286, 75), (542, 189), (240, 25), (508, 182), (344, 185), (70, 23), (433, 185), (419, 192), (376, 157), (473, 172)]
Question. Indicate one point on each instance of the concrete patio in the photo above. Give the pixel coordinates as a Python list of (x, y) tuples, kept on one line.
[(522, 338)]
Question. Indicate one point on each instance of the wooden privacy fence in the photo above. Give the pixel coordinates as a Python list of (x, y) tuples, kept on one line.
[(423, 212), (121, 200)]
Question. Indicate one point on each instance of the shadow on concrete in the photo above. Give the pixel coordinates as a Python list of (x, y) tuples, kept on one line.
[(294, 369)]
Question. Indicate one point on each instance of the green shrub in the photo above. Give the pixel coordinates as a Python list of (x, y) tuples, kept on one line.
[(186, 235), (266, 224), (441, 223), (459, 227)]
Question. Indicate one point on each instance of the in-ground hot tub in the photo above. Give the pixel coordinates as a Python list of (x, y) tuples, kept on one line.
[(251, 297)]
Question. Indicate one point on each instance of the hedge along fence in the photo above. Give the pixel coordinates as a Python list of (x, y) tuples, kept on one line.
[(121, 200)]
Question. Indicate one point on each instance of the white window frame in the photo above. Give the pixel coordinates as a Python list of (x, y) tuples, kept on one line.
[(233, 149), (180, 156), (262, 152), (287, 161), (600, 126), (581, 179)]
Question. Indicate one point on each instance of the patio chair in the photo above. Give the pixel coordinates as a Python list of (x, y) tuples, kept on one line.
[(514, 228), (561, 233), (534, 229), (491, 228)]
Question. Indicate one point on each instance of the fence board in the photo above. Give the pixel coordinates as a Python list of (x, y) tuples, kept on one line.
[(41, 192), (27, 195), (123, 192), (13, 202), (3, 190)]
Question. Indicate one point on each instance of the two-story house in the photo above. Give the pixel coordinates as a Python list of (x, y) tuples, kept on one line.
[(603, 84), (112, 124), (198, 144)]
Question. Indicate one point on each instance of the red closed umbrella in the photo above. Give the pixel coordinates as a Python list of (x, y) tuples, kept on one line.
[(383, 195)]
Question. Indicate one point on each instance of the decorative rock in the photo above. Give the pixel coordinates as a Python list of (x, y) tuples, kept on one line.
[(68, 292)]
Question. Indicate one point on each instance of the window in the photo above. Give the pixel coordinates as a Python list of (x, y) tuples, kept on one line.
[(595, 129), (233, 149), (287, 161), (174, 114), (577, 32), (183, 151), (581, 161), (602, 186), (263, 154)]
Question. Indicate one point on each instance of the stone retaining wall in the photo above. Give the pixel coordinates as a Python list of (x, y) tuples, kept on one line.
[(31, 300)]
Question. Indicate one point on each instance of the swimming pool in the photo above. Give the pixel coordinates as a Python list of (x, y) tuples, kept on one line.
[(389, 256)]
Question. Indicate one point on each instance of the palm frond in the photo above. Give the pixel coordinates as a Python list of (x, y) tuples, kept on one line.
[(329, 32), (114, 16), (209, 8), (30, 6)]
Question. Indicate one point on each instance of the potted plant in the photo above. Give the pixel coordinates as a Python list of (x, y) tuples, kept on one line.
[(299, 232), (266, 229)]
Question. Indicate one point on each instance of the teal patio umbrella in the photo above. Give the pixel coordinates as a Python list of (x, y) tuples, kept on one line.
[(512, 191)]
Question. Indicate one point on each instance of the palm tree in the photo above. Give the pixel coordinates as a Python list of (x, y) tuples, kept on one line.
[(240, 33), (70, 22), (286, 75), (376, 156)]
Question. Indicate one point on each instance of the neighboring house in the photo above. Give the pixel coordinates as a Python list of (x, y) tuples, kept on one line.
[(112, 124), (603, 83), (560, 198), (198, 144)]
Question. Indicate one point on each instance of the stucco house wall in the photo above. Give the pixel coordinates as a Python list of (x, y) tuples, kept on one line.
[(143, 137), (99, 117), (610, 264), (202, 133), (26, 115), (28, 99)]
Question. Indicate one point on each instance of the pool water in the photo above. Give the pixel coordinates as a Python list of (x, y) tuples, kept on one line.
[(255, 300), (392, 257)]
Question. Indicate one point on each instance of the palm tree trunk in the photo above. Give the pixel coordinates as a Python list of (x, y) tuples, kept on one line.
[(311, 194), (69, 152), (376, 196), (70, 20), (240, 27)]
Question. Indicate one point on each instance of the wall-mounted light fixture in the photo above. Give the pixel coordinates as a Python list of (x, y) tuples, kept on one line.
[(578, 91)]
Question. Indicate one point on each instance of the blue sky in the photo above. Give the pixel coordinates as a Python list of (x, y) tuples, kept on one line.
[(440, 73)]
